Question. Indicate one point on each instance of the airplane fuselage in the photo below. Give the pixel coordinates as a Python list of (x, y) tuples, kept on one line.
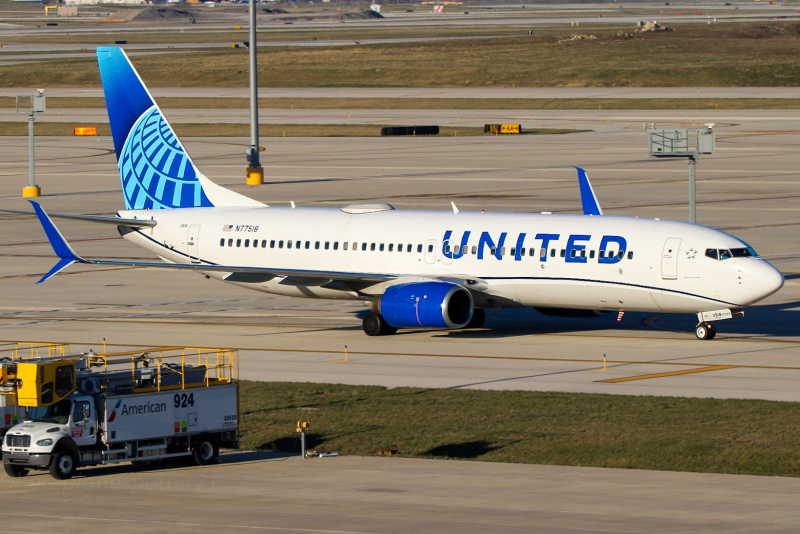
[(537, 260)]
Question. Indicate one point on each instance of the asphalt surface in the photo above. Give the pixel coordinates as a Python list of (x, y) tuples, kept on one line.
[(256, 492), (748, 187)]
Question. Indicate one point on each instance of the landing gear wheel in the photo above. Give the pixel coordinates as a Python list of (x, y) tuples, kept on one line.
[(705, 331), (374, 325), (206, 450), (15, 471), (478, 318), (64, 465)]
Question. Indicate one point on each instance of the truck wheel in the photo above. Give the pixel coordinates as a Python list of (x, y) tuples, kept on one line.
[(206, 450), (64, 465), (15, 470)]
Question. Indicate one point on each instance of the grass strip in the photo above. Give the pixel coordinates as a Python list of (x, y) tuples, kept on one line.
[(659, 433), (694, 55), (264, 130), (441, 103)]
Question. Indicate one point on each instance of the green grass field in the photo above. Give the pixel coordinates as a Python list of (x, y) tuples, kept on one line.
[(695, 55), (658, 433)]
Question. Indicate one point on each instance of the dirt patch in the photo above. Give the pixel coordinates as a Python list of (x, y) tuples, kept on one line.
[(158, 14), (768, 31)]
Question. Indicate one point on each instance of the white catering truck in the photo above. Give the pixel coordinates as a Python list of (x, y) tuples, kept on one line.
[(137, 408)]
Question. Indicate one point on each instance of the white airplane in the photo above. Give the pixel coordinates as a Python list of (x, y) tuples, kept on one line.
[(415, 269)]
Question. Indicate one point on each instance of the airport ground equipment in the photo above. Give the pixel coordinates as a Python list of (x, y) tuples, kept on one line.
[(11, 410), (95, 409)]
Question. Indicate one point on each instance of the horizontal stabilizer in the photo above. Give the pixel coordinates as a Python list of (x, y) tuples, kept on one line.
[(119, 221), (590, 204), (57, 241)]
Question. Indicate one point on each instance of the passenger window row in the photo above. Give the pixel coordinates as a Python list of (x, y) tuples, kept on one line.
[(531, 252), (318, 245), (400, 247)]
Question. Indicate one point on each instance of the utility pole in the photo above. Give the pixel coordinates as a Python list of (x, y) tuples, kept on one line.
[(255, 173), (37, 105)]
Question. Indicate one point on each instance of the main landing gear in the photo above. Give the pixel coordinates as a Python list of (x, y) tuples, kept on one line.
[(705, 331), (375, 325)]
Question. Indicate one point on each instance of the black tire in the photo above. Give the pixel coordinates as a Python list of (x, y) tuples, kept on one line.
[(206, 450), (712, 331), (705, 331), (64, 465), (478, 318), (15, 471), (375, 325)]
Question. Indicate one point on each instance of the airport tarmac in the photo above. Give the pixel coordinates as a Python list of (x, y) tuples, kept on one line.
[(252, 492), (748, 187)]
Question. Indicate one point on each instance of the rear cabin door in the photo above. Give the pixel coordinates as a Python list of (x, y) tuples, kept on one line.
[(192, 236), (669, 259)]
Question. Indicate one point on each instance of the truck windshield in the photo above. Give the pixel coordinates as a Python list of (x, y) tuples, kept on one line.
[(57, 413)]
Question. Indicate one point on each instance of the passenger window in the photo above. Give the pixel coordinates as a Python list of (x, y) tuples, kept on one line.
[(456, 249), (263, 243), (419, 248), (316, 245), (493, 251), (583, 253), (363, 246), (543, 253), (255, 243), (230, 242), (328, 245), (602, 254), (272, 244), (391, 247), (630, 254), (512, 251), (222, 242), (344, 245), (474, 250), (280, 243), (289, 244), (381, 247), (563, 253), (238, 242), (447, 249), (573, 253), (246, 242), (553, 253), (621, 254), (400, 247), (430, 248), (308, 245), (591, 253), (522, 252), (336, 245)]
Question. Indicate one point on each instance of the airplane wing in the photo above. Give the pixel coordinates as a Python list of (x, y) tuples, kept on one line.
[(67, 257), (589, 200), (133, 223)]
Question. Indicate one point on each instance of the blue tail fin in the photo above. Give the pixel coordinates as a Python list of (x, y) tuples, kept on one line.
[(155, 169), (590, 204)]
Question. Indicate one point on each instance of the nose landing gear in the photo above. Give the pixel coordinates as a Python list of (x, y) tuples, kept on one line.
[(705, 331)]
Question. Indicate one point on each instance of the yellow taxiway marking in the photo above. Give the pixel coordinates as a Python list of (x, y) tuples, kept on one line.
[(673, 373)]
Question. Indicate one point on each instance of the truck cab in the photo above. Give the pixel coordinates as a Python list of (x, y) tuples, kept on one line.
[(51, 437)]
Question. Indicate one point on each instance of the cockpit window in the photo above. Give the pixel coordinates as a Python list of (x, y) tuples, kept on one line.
[(724, 254), (743, 252)]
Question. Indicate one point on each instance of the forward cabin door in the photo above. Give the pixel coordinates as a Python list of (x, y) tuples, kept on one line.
[(669, 259)]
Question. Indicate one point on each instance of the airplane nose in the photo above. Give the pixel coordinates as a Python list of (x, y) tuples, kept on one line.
[(765, 281)]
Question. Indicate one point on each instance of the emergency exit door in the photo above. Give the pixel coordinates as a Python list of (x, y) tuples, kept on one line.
[(192, 236)]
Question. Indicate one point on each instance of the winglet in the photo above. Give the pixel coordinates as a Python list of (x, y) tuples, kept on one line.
[(57, 241), (590, 204)]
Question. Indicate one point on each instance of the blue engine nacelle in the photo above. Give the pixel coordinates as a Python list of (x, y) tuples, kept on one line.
[(426, 305)]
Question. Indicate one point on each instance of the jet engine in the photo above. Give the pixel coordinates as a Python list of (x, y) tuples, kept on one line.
[(427, 305)]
